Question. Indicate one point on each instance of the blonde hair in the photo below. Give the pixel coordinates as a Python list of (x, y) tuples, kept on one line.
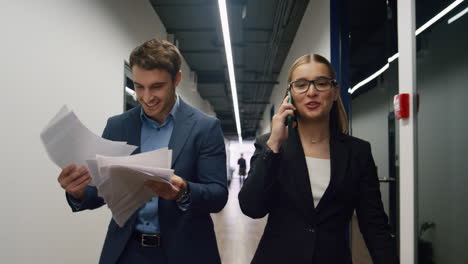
[(338, 115)]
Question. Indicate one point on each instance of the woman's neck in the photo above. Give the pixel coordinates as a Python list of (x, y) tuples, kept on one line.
[(314, 131)]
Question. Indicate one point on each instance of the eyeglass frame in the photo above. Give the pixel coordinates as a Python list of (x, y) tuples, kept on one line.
[(333, 83)]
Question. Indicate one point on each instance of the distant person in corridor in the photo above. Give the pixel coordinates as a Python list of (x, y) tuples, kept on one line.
[(242, 168)]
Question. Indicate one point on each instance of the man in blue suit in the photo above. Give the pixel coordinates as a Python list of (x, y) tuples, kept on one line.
[(175, 225)]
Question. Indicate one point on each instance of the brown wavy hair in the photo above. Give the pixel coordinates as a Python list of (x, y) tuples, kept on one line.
[(338, 117), (157, 54)]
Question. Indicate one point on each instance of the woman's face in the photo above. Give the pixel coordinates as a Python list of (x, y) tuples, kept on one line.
[(313, 104)]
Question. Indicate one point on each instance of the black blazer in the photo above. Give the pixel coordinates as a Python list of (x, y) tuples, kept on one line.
[(298, 231)]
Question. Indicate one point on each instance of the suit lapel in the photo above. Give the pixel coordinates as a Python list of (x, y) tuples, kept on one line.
[(132, 126), (339, 154), (133, 129), (299, 175), (182, 129)]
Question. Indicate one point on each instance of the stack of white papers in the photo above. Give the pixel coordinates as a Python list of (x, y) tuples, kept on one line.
[(118, 177), (121, 180)]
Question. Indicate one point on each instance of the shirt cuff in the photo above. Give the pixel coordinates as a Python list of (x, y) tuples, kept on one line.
[(184, 206), (77, 204)]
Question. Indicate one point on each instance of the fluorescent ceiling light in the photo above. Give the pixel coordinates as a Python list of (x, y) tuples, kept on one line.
[(394, 57), (368, 79), (457, 16), (130, 92), (418, 31), (438, 16), (377, 73), (230, 63)]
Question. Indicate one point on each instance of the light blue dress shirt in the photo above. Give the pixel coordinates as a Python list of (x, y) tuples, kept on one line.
[(153, 136)]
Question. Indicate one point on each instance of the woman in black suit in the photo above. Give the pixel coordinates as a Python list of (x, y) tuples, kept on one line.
[(310, 179)]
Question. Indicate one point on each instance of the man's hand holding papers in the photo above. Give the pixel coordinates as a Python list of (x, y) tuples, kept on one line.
[(87, 159), (173, 191), (74, 181)]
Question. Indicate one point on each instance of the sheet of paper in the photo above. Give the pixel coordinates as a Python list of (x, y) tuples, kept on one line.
[(159, 174), (94, 172), (160, 158), (68, 141), (60, 114)]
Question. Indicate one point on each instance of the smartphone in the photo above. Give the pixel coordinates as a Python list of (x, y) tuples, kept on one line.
[(290, 119)]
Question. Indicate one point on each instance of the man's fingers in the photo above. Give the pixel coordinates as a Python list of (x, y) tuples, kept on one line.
[(178, 181), (79, 181), (81, 185), (75, 175), (154, 186), (160, 185), (65, 172), (151, 184), (164, 190)]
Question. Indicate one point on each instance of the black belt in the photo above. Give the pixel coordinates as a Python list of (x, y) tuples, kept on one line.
[(147, 240)]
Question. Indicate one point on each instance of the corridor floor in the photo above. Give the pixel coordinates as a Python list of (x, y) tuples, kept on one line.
[(237, 234)]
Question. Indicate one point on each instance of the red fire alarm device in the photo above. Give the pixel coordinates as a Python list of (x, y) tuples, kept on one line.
[(401, 106)]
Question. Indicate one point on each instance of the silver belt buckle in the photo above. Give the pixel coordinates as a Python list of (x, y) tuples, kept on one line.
[(144, 236)]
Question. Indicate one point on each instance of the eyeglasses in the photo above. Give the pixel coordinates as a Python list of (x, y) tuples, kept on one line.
[(302, 86)]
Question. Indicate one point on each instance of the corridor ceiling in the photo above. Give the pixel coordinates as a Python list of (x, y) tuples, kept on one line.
[(261, 31)]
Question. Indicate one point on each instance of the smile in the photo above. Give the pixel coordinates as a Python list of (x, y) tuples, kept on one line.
[(312, 105), (152, 106)]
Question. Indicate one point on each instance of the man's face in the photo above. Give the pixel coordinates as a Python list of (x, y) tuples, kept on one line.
[(155, 90)]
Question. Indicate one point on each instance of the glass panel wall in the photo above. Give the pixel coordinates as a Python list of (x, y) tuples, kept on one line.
[(442, 83), (373, 46)]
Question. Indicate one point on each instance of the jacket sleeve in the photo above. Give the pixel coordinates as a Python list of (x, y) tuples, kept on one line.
[(257, 191), (210, 193), (373, 221), (91, 200)]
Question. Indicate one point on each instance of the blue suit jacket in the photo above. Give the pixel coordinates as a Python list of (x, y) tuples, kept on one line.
[(199, 157)]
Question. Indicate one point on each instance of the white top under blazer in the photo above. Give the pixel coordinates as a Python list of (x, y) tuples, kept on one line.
[(319, 176)]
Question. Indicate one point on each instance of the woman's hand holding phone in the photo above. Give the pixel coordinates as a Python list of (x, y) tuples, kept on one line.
[(279, 130)]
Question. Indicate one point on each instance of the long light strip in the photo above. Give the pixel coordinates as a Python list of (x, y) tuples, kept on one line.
[(394, 57), (130, 92), (418, 31), (230, 63), (438, 16), (370, 78), (457, 16), (375, 75)]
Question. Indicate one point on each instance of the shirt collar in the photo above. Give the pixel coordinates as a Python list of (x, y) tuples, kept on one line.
[(145, 118)]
